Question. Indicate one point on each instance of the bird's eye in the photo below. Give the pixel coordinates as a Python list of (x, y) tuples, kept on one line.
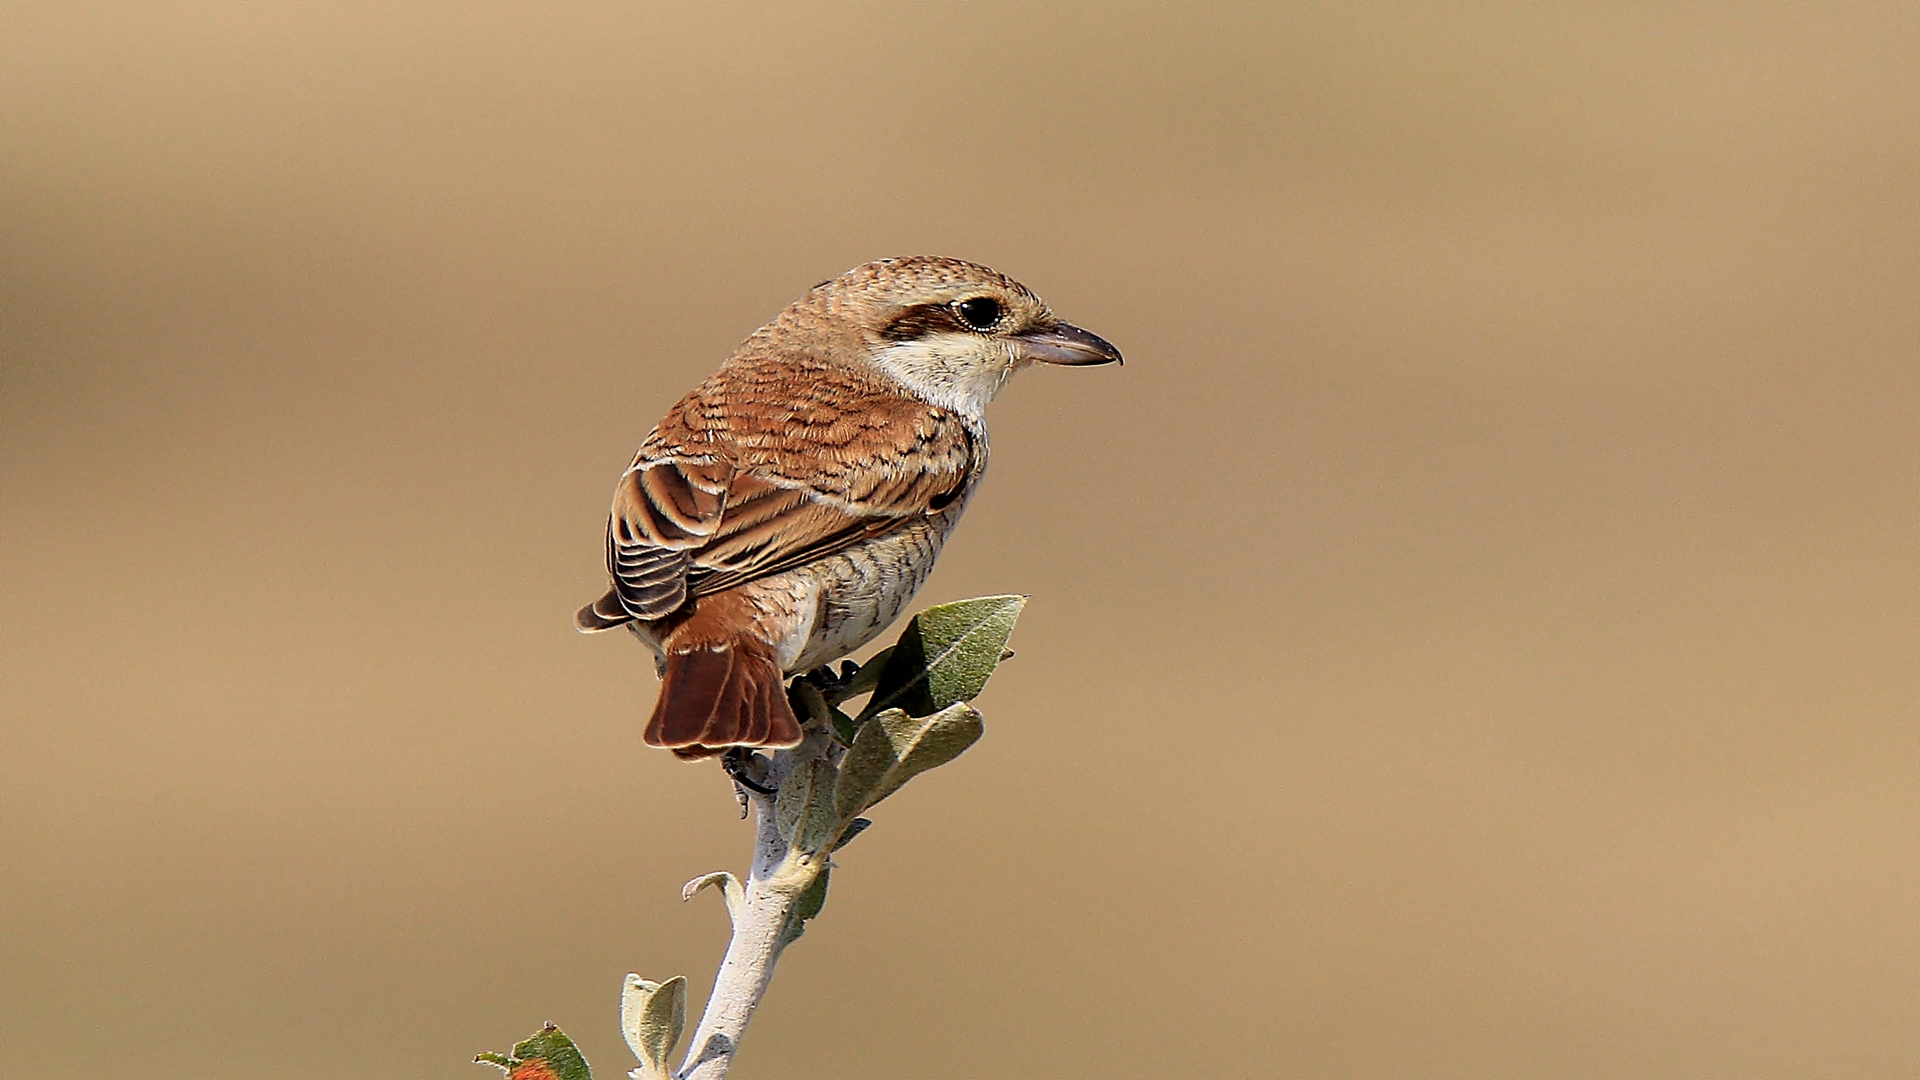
[(980, 313)]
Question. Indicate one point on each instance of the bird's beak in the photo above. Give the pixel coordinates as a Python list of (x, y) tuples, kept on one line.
[(1065, 343)]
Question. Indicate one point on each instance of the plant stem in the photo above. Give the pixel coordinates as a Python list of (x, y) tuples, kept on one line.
[(774, 883)]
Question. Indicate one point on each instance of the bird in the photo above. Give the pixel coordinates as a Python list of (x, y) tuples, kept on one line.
[(784, 512)]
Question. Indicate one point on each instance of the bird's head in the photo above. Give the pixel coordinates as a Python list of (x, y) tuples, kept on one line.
[(949, 331)]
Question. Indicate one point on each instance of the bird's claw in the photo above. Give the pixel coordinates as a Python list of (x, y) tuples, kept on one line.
[(737, 763)]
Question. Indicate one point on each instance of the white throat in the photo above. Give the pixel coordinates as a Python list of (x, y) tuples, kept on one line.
[(958, 372)]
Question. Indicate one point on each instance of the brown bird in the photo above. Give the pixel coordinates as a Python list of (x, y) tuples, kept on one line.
[(785, 511)]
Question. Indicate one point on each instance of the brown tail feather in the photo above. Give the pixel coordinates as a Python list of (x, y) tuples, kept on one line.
[(727, 693)]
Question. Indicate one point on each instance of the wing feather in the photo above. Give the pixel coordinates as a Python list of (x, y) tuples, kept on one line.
[(765, 468)]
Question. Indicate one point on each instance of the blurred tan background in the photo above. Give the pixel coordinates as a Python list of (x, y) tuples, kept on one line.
[(1475, 634)]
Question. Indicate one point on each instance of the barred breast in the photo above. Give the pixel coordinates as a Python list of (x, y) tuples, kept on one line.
[(858, 592)]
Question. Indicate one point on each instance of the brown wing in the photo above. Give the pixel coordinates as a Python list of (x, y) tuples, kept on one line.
[(764, 468)]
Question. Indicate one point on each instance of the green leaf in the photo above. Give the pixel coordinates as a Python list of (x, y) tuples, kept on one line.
[(803, 811), (808, 904), (652, 1015), (946, 655), (808, 703), (854, 828), (843, 726), (548, 1055), (893, 748)]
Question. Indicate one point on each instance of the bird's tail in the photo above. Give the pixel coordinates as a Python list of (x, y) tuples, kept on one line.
[(720, 691)]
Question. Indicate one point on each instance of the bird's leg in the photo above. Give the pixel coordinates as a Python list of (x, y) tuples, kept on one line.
[(738, 762)]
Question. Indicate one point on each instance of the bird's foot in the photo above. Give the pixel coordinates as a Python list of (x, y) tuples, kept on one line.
[(739, 764), (824, 680)]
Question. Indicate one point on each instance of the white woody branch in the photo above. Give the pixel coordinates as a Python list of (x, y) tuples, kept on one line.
[(763, 914)]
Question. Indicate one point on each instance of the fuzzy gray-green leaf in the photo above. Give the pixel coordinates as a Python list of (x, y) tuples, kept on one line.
[(803, 810), (893, 748), (946, 655), (842, 724), (854, 828), (808, 904), (731, 891), (807, 701), (652, 1015)]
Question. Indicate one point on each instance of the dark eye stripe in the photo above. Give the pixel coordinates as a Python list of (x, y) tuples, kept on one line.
[(920, 320)]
